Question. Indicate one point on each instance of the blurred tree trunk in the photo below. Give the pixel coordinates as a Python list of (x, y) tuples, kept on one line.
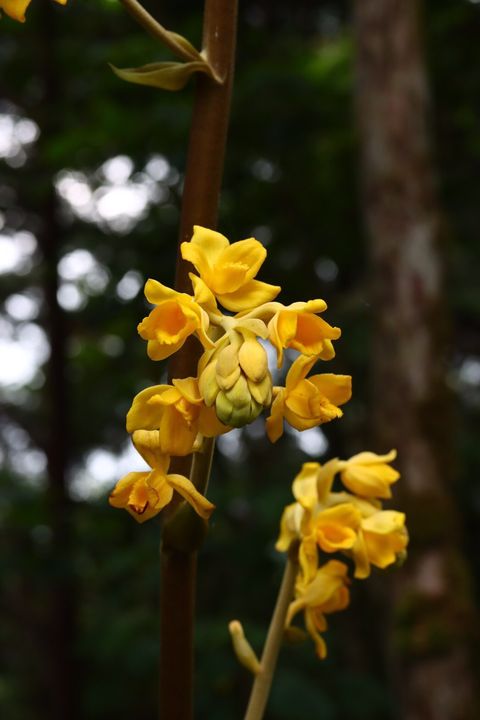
[(60, 671), (431, 595)]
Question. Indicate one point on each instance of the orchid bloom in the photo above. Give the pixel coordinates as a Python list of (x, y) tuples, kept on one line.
[(177, 413), (298, 326), (175, 317), (307, 402), (326, 593), (228, 270), (145, 494)]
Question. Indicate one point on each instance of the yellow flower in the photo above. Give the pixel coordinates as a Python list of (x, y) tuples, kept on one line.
[(16, 8), (305, 403), (297, 326), (229, 270), (175, 317), (369, 475), (177, 413), (383, 538), (326, 593), (145, 494)]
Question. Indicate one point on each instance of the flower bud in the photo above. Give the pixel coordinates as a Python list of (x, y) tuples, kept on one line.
[(253, 360), (207, 383)]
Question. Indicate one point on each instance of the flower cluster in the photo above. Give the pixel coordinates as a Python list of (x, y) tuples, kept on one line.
[(16, 8), (233, 383), (351, 523)]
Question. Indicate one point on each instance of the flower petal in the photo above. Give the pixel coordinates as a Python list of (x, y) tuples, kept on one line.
[(157, 293), (144, 415), (274, 423), (337, 388), (304, 486), (187, 489), (252, 294)]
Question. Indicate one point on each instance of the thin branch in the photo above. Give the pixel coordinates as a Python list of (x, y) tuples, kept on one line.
[(263, 680), (177, 44)]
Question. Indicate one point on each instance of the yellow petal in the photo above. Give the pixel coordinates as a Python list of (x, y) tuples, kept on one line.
[(15, 8), (337, 388), (360, 556), (299, 371), (320, 646), (304, 486), (274, 423), (337, 526), (189, 389), (158, 481), (144, 415), (248, 253), (147, 444), (121, 492), (325, 477), (384, 522), (290, 525), (186, 489), (157, 293), (176, 436), (203, 295), (204, 249), (369, 478), (158, 351), (250, 295)]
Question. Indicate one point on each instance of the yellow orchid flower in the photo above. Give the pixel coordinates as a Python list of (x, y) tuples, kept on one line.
[(326, 593), (177, 413), (175, 317), (307, 402), (369, 475), (145, 494), (228, 270), (382, 540), (298, 326), (16, 8)]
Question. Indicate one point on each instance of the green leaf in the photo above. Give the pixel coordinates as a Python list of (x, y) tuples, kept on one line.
[(164, 75)]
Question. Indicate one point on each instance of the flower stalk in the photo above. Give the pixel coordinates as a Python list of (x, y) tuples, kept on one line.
[(263, 679), (200, 202)]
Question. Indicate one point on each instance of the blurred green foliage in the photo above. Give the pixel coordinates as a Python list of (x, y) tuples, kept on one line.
[(291, 178)]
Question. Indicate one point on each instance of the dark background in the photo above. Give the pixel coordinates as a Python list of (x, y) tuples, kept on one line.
[(81, 233)]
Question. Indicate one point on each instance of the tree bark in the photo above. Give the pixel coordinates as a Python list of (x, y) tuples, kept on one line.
[(432, 606)]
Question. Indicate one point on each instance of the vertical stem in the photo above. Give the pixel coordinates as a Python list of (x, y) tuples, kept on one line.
[(199, 207), (263, 681)]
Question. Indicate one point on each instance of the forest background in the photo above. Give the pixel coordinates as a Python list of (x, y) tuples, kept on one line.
[(90, 186)]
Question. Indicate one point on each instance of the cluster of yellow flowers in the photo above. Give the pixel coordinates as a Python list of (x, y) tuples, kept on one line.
[(16, 8), (352, 523), (233, 384)]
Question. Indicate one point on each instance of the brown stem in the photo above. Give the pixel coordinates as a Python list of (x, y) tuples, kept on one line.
[(199, 207)]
